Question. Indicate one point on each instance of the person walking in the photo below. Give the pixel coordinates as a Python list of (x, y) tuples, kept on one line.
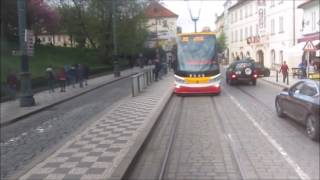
[(62, 80), (157, 69), (86, 72), (285, 71), (72, 75), (80, 75), (50, 78)]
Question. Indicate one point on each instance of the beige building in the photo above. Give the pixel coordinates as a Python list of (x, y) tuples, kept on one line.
[(265, 30), (62, 40)]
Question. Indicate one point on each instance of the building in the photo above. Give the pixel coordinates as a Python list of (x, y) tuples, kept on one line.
[(162, 26), (62, 40), (311, 28), (267, 31)]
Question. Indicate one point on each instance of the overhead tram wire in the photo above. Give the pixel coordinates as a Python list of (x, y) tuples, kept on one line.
[(196, 18)]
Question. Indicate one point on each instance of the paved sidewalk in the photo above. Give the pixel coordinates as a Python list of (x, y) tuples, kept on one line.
[(11, 110), (272, 79), (105, 149)]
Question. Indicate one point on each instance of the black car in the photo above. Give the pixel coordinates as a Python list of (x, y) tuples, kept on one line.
[(262, 70), (241, 71), (301, 102)]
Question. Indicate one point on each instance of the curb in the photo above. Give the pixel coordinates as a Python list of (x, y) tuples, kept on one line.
[(11, 121), (125, 163), (275, 83)]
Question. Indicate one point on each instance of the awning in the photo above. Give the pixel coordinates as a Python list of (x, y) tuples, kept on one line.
[(310, 37)]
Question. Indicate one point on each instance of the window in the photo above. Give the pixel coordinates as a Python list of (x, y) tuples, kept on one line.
[(250, 9), (281, 24), (272, 26), (257, 30), (272, 3), (43, 39), (250, 31), (59, 39), (281, 57), (164, 23), (236, 35), (280, 1), (313, 21), (308, 90), (241, 14), (246, 11), (236, 16), (241, 34)]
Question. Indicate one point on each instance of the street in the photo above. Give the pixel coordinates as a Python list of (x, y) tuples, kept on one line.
[(236, 135), (27, 139)]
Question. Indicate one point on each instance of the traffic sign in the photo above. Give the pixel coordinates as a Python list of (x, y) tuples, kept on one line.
[(29, 42), (309, 46)]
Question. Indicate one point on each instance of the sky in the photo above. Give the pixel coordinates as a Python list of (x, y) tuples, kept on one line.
[(209, 8)]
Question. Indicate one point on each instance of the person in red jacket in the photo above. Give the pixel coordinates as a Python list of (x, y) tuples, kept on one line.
[(285, 71), (62, 80)]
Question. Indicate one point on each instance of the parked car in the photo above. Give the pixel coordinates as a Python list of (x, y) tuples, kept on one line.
[(241, 71), (262, 70), (301, 102)]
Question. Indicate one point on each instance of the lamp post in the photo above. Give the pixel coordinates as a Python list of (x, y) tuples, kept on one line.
[(115, 59), (26, 95)]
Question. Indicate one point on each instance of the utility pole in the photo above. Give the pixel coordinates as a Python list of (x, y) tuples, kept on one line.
[(116, 70), (26, 95)]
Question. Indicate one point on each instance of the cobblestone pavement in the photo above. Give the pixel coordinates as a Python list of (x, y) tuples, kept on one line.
[(200, 149), (27, 139), (97, 152)]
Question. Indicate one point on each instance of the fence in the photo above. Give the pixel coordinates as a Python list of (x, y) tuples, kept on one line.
[(141, 80)]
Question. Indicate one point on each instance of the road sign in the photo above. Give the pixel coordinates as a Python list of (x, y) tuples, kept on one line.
[(309, 46), (29, 42)]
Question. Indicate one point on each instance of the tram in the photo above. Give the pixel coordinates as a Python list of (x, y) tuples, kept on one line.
[(197, 70)]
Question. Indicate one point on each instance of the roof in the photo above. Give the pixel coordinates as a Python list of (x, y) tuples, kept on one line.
[(240, 2), (303, 5), (155, 10)]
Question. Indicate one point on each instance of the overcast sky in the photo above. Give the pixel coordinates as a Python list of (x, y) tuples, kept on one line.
[(207, 15)]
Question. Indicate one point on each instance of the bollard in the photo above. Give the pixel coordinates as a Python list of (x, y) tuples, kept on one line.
[(288, 79), (277, 76)]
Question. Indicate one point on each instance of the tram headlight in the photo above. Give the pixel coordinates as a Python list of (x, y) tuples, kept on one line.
[(179, 80)]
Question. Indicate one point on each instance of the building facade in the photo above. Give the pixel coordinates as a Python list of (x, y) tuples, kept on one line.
[(162, 26), (311, 28), (264, 30)]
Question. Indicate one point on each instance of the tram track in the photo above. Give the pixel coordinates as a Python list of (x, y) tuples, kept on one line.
[(172, 130)]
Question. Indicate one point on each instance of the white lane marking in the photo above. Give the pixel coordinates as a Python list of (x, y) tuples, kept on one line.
[(275, 144)]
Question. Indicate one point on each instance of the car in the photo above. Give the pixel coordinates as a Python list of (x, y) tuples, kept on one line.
[(301, 102), (241, 71), (262, 70)]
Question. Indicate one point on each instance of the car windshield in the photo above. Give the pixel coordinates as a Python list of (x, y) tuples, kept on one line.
[(242, 65)]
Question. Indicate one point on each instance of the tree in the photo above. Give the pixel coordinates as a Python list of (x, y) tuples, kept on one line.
[(221, 43)]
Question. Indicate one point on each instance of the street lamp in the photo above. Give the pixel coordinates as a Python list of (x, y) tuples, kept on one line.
[(115, 59), (26, 95)]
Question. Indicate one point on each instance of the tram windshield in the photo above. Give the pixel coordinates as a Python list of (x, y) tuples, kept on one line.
[(197, 53)]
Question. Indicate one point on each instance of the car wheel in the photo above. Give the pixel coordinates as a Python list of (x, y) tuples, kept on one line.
[(254, 82), (312, 128), (279, 109)]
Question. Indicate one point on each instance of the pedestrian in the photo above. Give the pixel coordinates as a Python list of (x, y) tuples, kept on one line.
[(13, 84), (140, 60), (86, 72), (72, 75), (302, 66), (238, 58), (157, 69), (50, 78), (285, 71), (80, 75), (62, 80), (66, 70)]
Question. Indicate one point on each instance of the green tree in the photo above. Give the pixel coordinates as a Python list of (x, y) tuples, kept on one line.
[(221, 42)]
